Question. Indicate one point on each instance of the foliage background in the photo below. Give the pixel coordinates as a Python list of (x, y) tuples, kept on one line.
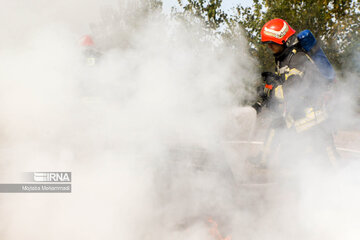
[(335, 22)]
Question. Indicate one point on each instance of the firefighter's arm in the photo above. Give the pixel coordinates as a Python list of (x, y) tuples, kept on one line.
[(294, 73), (264, 95), (271, 81)]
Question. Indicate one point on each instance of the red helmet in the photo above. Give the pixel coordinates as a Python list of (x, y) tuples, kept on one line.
[(277, 31), (86, 41)]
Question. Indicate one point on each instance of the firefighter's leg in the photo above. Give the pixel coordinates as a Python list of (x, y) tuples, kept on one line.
[(331, 152), (323, 142), (268, 151), (269, 147)]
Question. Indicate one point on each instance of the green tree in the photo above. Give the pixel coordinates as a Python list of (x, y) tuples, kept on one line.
[(209, 11), (334, 22)]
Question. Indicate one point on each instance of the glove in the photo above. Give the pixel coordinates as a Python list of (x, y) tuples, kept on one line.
[(271, 80), (264, 95), (257, 106)]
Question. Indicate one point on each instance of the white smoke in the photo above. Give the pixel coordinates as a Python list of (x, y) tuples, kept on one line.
[(145, 134), (142, 132)]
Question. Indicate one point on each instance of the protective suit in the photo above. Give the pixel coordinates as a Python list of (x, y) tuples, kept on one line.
[(296, 93)]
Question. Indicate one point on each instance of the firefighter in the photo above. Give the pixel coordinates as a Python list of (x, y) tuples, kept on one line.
[(90, 52), (296, 93)]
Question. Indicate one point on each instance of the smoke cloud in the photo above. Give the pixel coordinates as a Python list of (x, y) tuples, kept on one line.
[(142, 131), (151, 133)]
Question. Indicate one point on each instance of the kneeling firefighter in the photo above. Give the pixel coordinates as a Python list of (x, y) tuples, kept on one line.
[(296, 94)]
